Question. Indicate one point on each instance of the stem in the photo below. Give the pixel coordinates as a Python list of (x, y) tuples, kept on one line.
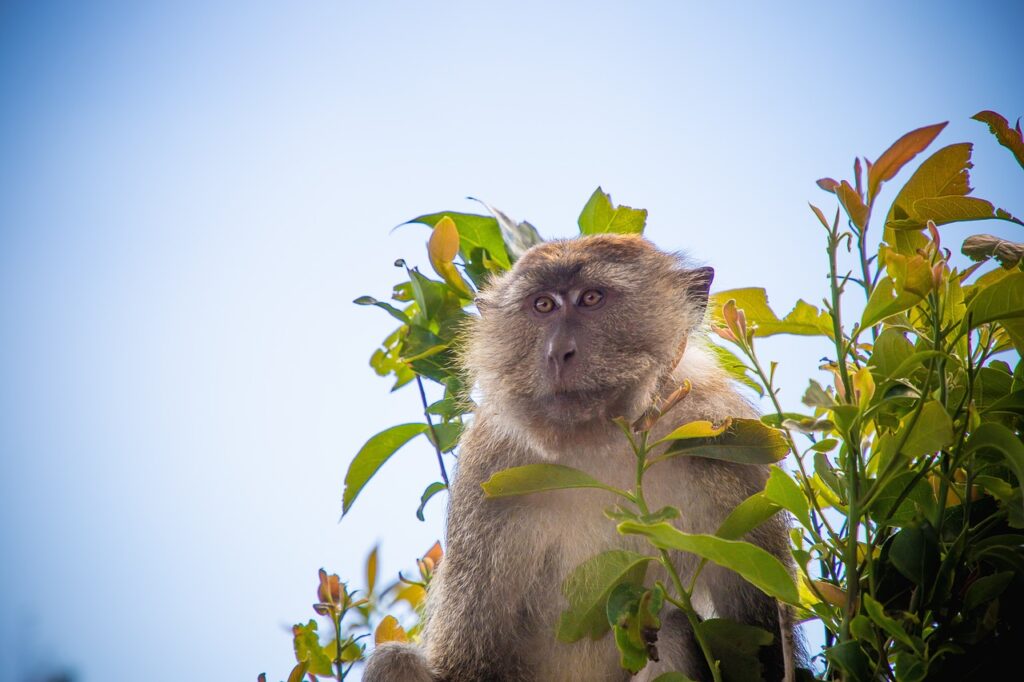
[(433, 433), (683, 602)]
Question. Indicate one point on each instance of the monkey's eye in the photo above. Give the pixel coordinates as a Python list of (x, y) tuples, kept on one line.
[(591, 297), (544, 304)]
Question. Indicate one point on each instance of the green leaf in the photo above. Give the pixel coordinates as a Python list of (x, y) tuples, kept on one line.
[(372, 455), (536, 478), (803, 320), (987, 588), (587, 589), (735, 646), (1000, 301), (392, 310), (784, 491), (954, 209), (728, 361), (308, 649), (758, 567), (429, 492), (853, 204), (890, 625), (633, 615), (915, 554), (672, 677), (885, 302), (447, 435), (600, 215), (1008, 137), (747, 515), (851, 659), (910, 668), (746, 441), (891, 349), (932, 431), (993, 436), (474, 231)]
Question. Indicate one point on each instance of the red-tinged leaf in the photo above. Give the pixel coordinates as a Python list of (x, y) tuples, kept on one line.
[(897, 156), (853, 204), (1008, 137), (828, 184), (821, 216)]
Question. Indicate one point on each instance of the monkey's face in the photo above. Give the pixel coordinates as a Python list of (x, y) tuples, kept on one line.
[(585, 330)]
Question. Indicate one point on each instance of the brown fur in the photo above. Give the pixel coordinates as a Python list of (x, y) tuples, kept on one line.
[(495, 601)]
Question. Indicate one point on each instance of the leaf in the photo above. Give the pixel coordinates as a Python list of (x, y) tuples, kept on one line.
[(672, 677), (758, 567), (747, 515), (885, 302), (600, 215), (372, 455), (1000, 301), (899, 154), (1008, 137), (474, 231), (890, 625), (890, 350), (804, 319), (371, 569), (932, 431), (697, 429), (536, 478), (519, 237), (993, 436), (587, 589), (298, 672), (308, 649), (784, 491), (955, 209), (938, 192), (736, 646), (853, 204), (633, 615), (442, 248), (986, 588), (392, 310), (728, 361), (447, 435), (851, 659), (389, 630), (915, 554), (746, 441), (431, 490)]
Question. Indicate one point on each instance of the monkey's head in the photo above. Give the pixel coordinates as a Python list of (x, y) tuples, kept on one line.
[(583, 330)]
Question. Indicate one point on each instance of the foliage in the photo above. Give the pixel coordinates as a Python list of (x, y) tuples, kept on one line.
[(907, 463)]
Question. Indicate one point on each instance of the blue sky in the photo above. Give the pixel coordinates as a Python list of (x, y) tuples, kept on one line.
[(192, 193)]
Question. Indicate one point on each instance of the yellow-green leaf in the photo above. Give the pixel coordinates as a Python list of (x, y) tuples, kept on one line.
[(536, 478), (1010, 138), (372, 455), (600, 215), (758, 567), (697, 429), (804, 319), (747, 441), (784, 491), (389, 630)]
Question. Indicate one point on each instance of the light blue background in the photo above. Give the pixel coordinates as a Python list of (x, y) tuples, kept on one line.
[(192, 193)]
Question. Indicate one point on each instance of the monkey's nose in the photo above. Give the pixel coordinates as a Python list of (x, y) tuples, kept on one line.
[(561, 351)]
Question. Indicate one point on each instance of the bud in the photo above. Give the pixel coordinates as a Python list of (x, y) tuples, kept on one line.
[(981, 247), (329, 591)]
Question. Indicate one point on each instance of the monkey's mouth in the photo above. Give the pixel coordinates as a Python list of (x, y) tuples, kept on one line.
[(579, 404)]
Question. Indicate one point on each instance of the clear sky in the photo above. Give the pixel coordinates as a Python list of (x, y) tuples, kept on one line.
[(192, 193)]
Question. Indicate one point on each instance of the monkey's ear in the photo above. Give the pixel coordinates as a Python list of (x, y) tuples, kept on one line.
[(698, 285)]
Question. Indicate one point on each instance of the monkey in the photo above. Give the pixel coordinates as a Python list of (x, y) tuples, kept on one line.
[(577, 333)]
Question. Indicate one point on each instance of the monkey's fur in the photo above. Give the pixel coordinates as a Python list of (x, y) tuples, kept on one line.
[(549, 382)]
